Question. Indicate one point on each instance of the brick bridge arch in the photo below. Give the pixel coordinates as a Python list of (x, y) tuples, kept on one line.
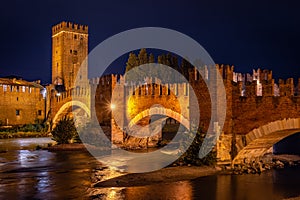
[(160, 111), (66, 106), (258, 141)]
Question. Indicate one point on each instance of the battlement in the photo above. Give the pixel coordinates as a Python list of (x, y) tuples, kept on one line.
[(69, 26), (71, 93), (150, 86), (19, 89), (260, 83)]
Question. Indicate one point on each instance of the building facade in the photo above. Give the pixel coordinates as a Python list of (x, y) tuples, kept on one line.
[(22, 102)]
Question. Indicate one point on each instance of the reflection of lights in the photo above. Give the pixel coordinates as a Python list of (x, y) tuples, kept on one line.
[(112, 106), (112, 194)]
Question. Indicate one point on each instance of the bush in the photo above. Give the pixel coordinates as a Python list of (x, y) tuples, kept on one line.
[(191, 156), (64, 131)]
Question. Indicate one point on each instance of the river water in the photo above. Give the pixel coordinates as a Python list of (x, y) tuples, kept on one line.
[(26, 173)]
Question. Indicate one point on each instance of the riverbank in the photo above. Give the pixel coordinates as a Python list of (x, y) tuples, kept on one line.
[(183, 173), (165, 175), (66, 147), (267, 162), (9, 135)]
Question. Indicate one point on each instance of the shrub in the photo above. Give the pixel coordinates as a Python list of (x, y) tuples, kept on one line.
[(191, 156), (64, 131)]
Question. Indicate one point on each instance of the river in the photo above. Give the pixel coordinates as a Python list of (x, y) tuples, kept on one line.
[(26, 173)]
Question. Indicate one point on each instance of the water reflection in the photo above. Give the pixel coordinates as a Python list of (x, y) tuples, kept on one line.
[(177, 190), (30, 174)]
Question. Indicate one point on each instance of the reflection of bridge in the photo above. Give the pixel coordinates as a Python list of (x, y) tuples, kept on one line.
[(259, 112)]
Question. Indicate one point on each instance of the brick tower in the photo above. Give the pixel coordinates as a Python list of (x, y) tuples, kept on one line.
[(69, 51)]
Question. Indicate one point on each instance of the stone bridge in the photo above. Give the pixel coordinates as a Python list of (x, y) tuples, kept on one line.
[(67, 103), (259, 111), (122, 106)]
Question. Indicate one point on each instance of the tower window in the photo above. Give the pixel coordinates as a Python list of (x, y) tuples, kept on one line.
[(75, 52), (39, 112), (75, 37), (17, 112), (70, 50)]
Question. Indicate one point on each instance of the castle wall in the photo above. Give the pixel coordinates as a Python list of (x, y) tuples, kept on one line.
[(21, 105)]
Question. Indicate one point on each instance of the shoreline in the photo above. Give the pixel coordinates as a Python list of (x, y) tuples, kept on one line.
[(165, 175), (16, 135)]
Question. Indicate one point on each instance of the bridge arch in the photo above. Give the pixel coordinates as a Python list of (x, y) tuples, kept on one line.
[(66, 106), (258, 141), (160, 111)]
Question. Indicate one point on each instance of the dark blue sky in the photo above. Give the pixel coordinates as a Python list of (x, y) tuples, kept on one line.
[(246, 34)]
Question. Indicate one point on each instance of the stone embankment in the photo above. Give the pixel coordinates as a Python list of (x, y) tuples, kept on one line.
[(265, 163)]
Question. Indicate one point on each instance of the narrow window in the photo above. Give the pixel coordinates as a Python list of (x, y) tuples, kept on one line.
[(17, 112), (17, 98), (70, 51), (75, 37), (39, 112), (75, 52), (153, 89), (160, 90)]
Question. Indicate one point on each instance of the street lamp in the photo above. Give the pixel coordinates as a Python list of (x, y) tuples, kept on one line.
[(112, 106)]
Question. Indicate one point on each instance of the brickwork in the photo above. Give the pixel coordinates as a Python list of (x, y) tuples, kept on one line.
[(69, 51), (21, 102), (252, 100)]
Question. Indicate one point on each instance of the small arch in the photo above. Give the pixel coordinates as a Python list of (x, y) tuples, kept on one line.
[(160, 111), (260, 140), (68, 105)]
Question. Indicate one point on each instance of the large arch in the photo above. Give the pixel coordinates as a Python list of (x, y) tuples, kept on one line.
[(258, 141), (160, 111), (67, 106)]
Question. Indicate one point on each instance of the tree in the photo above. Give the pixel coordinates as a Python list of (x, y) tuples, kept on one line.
[(132, 62), (151, 58), (143, 57), (64, 131)]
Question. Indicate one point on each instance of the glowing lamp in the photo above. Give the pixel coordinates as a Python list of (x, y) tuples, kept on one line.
[(112, 106)]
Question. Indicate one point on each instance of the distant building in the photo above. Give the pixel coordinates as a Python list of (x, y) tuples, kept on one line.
[(21, 102)]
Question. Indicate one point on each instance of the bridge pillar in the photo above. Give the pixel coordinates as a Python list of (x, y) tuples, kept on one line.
[(223, 149), (117, 134)]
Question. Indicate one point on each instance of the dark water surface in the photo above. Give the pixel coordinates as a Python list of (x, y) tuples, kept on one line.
[(29, 174)]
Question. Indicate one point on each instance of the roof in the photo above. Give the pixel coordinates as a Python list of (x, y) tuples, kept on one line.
[(19, 82)]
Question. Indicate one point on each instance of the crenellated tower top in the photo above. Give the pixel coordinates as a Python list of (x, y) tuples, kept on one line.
[(69, 26)]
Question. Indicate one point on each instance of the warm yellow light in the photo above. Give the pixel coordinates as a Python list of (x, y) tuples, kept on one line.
[(112, 106)]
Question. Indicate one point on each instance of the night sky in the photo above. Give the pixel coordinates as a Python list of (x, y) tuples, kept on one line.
[(246, 34)]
